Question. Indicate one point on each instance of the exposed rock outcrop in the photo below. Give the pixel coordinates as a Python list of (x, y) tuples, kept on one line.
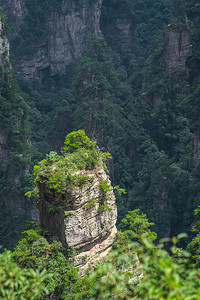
[(118, 26), (178, 47), (13, 142), (5, 65), (86, 222), (196, 151), (69, 25), (4, 49)]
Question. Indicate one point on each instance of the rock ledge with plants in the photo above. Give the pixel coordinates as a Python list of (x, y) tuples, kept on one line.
[(75, 199)]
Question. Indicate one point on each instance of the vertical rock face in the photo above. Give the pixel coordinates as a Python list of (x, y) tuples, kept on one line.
[(4, 49), (118, 26), (178, 47), (196, 151), (5, 65), (69, 25), (86, 222), (13, 143)]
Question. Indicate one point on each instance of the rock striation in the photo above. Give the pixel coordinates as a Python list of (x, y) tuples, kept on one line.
[(69, 25), (178, 47), (86, 221), (4, 49)]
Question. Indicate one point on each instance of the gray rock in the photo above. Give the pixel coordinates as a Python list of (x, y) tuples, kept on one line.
[(86, 222), (177, 47), (70, 25)]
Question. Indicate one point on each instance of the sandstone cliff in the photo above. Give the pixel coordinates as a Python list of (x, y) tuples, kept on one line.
[(67, 24), (4, 48), (178, 47), (86, 222), (76, 201)]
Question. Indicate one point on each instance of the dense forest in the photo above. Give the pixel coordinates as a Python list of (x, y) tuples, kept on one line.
[(136, 95)]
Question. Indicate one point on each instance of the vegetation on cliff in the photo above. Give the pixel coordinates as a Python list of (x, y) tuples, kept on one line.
[(14, 148), (59, 173), (135, 267), (146, 116), (126, 100)]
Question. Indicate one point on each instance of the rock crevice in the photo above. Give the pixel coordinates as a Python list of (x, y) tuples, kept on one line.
[(86, 220)]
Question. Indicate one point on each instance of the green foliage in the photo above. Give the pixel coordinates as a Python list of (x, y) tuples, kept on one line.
[(59, 172), (14, 153), (20, 283), (148, 20), (157, 276), (113, 278), (139, 225), (104, 208), (5, 30), (35, 252), (90, 203), (120, 190), (105, 186), (128, 102), (78, 139), (194, 249)]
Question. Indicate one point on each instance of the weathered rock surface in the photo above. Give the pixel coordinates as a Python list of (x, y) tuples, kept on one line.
[(70, 25), (11, 199), (178, 47), (118, 26), (4, 49), (196, 151), (5, 64), (86, 220)]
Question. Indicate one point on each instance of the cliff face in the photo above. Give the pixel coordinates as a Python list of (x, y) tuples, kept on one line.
[(4, 49), (167, 84), (118, 26), (13, 145), (69, 25), (86, 222), (5, 65), (178, 47)]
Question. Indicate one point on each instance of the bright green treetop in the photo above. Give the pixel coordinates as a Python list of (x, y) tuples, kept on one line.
[(58, 173), (139, 225), (78, 139)]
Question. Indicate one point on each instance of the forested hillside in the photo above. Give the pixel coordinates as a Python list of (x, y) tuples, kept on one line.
[(128, 73), (132, 92)]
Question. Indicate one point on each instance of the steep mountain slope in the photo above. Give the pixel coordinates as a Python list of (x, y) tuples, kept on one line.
[(48, 35), (124, 71), (14, 158)]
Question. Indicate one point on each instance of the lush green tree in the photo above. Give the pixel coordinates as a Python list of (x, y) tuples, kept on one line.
[(143, 271), (20, 283), (139, 225), (59, 172), (15, 150), (34, 252), (77, 139)]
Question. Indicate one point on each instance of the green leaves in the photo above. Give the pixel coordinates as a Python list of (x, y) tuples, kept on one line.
[(59, 172), (139, 225), (39, 257), (77, 139), (143, 271), (18, 283), (120, 190), (105, 186)]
